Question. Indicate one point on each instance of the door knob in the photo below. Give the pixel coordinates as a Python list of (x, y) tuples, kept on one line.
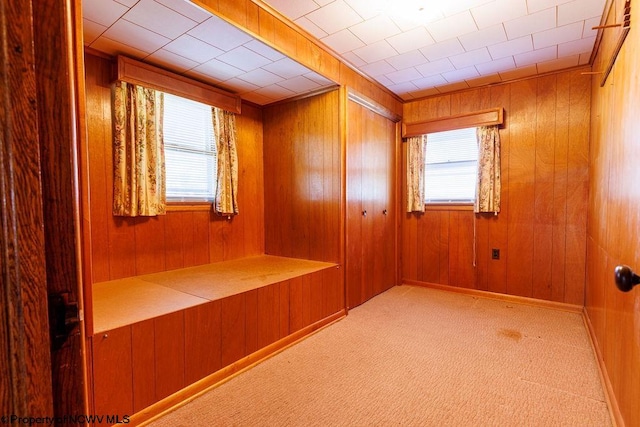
[(384, 212), (364, 213)]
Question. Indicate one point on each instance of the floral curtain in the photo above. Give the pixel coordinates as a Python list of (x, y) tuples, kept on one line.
[(416, 157), (224, 128), (138, 169), (488, 184)]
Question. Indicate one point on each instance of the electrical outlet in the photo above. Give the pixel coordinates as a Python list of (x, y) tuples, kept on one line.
[(495, 253)]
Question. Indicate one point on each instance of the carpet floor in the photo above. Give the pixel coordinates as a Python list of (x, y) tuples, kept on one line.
[(420, 357)]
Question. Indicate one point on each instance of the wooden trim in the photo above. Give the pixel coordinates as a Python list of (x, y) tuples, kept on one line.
[(572, 308), (218, 378), (302, 96), (189, 206), (625, 26), (343, 103), (136, 72), (493, 116), (612, 402), (371, 105), (603, 20)]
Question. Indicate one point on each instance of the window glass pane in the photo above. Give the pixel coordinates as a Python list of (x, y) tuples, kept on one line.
[(451, 166), (190, 149)]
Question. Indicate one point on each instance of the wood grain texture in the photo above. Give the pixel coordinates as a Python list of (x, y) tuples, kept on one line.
[(541, 229), (143, 362), (113, 372), (202, 341), (302, 180), (123, 247), (25, 368), (613, 204), (169, 353)]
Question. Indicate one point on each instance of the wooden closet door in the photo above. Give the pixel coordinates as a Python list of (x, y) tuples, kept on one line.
[(354, 207)]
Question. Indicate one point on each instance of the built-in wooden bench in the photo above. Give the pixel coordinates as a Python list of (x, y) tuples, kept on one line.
[(160, 338)]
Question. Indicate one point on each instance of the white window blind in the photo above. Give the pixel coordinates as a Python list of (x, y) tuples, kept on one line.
[(190, 150), (451, 166)]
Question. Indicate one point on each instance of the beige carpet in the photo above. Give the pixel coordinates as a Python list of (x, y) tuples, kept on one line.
[(420, 357)]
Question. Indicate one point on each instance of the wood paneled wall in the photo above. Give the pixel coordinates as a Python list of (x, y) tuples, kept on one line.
[(123, 247), (302, 178), (614, 216), (541, 229)]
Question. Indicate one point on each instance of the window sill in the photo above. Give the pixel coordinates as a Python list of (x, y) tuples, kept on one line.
[(189, 206), (448, 206)]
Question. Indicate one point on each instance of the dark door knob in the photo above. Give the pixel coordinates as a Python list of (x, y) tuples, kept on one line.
[(364, 213), (626, 279)]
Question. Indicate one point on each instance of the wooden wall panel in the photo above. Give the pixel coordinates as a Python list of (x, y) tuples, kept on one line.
[(613, 215), (143, 364), (233, 333), (123, 247), (302, 178), (541, 229), (202, 340), (169, 353), (112, 368)]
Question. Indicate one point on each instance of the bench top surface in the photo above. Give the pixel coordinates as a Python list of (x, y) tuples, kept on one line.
[(126, 301)]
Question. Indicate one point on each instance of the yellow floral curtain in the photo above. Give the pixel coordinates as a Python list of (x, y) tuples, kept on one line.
[(416, 157), (224, 128), (139, 175), (488, 184)]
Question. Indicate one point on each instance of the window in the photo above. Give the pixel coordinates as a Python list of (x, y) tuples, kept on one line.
[(451, 166), (190, 150)]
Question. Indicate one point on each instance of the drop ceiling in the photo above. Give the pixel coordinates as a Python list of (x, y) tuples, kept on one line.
[(179, 36), (415, 48), (418, 48)]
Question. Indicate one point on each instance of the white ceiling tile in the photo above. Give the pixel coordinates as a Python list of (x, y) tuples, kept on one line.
[(261, 77), (375, 52), (286, 68), (186, 8), (432, 81), (376, 69), (558, 35), (136, 36), (218, 70), (558, 64), (535, 56), (343, 41), (321, 80), (406, 23), (159, 19), (530, 24), (459, 75), (498, 11), (375, 29), (435, 67), (576, 47), (512, 47), (299, 84), (312, 28), (451, 27), (293, 9), (403, 76), (484, 80), (538, 5), (468, 59), (579, 10), (128, 3), (220, 34), (194, 49), (113, 48), (353, 59), (406, 60), (403, 88), (365, 8), (103, 12), (453, 7), (334, 17), (442, 50), (323, 2), (244, 59), (410, 40), (496, 66), (171, 61), (384, 81), (518, 73), (91, 31), (275, 91), (588, 30), (484, 37), (264, 50)]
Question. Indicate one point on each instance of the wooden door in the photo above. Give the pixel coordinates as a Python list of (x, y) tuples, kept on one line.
[(371, 208)]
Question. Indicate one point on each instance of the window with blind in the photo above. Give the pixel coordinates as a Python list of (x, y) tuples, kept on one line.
[(190, 150), (451, 167)]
